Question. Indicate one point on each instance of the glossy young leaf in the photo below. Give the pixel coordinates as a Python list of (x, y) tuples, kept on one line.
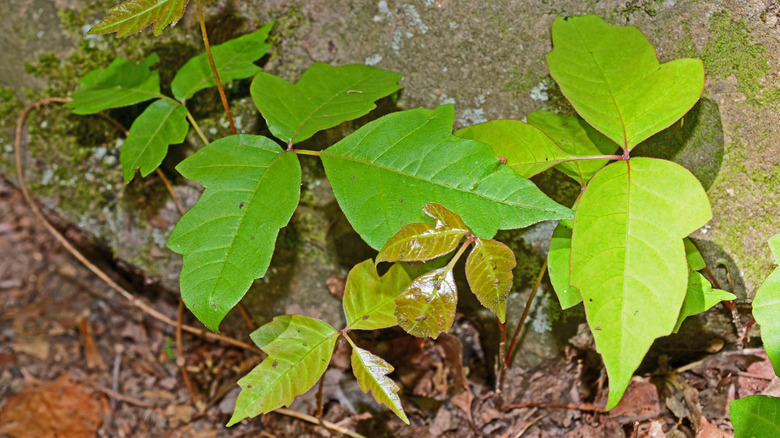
[(612, 77), (385, 172), (692, 254), (628, 258), (371, 372), (122, 83), (227, 238), (699, 297), (756, 416), (134, 15), (559, 266), (369, 301), (299, 349), (234, 59), (766, 308), (419, 242), (489, 273), (444, 217), (324, 97), (162, 123), (427, 306), (572, 134), (526, 149)]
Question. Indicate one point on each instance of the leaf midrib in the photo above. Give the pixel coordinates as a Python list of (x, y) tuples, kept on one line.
[(152, 137), (279, 376)]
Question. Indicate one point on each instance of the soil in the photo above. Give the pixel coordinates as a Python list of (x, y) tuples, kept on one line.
[(76, 360)]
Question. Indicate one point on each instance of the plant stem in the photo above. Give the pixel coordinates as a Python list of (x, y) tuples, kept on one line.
[(214, 67), (502, 367), (511, 350), (306, 152), (457, 255), (507, 359), (197, 128)]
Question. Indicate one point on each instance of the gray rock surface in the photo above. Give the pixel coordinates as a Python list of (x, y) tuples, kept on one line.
[(485, 57)]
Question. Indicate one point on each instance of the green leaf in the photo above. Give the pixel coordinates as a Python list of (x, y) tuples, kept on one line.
[(419, 242), (692, 254), (371, 372), (444, 217), (299, 349), (427, 306), (489, 273), (612, 77), (227, 238), (572, 134), (756, 416), (385, 172), (766, 308), (122, 83), (526, 149), (559, 266), (324, 97), (162, 123), (628, 258), (234, 60), (699, 297), (134, 15), (369, 301)]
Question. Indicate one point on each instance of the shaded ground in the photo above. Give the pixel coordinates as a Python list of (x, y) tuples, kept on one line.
[(76, 360)]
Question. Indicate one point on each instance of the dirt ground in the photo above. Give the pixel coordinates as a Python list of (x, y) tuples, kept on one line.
[(76, 360)]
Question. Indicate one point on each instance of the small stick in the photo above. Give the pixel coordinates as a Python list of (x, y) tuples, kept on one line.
[(501, 363), (181, 359), (315, 420), (120, 397), (585, 407)]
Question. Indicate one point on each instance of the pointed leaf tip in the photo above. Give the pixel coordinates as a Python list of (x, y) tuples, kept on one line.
[(489, 273), (371, 372)]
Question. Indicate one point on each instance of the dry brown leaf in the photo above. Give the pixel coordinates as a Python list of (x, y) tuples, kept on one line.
[(53, 409)]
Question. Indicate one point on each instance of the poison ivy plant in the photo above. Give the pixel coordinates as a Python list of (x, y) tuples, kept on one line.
[(418, 192), (134, 15), (766, 308)]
